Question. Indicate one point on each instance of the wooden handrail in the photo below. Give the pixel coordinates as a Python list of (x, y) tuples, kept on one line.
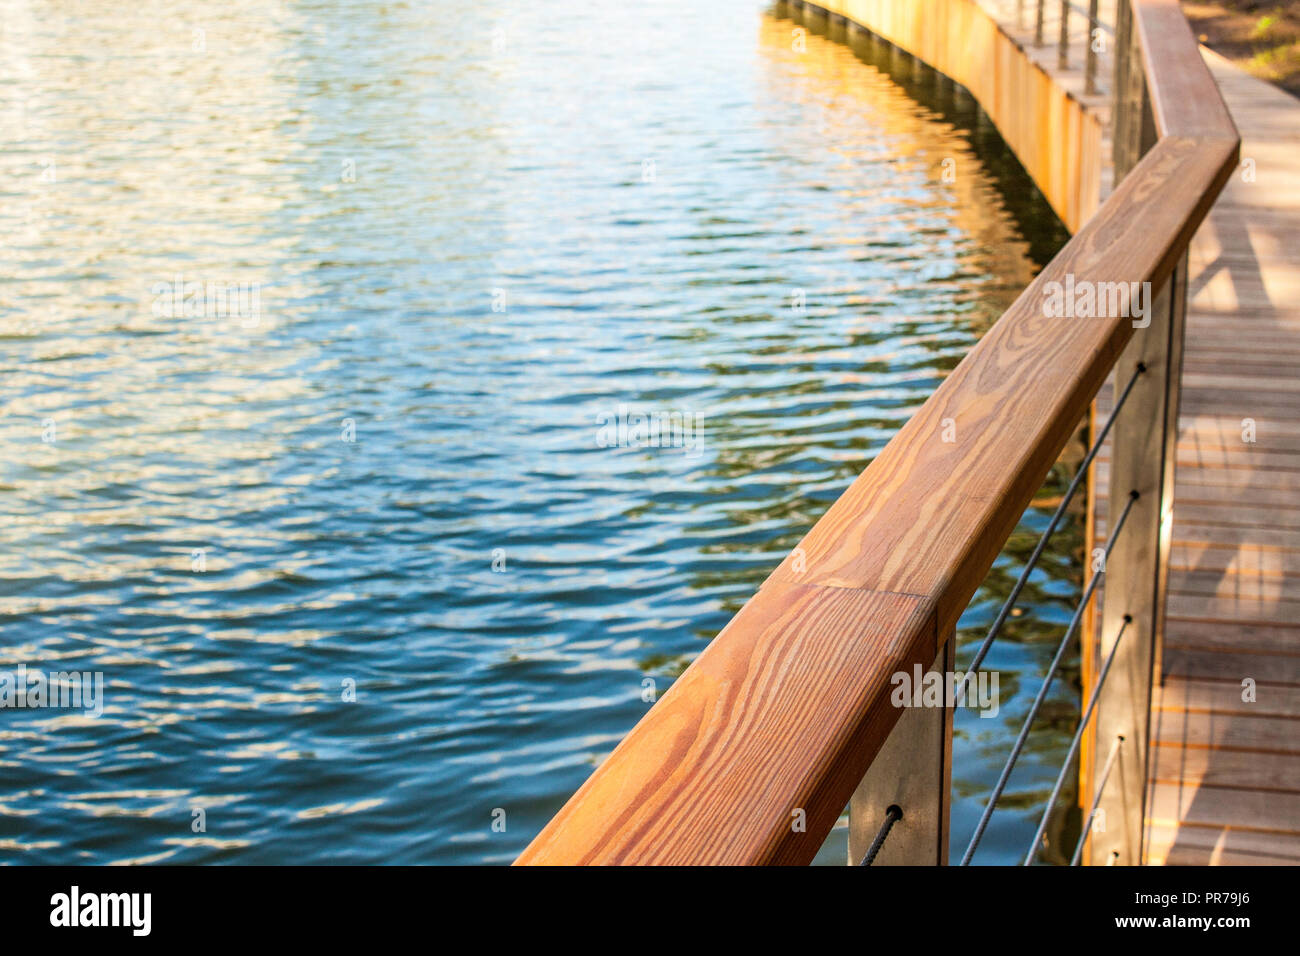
[(754, 752)]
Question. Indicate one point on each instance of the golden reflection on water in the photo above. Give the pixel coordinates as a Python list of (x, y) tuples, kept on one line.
[(842, 99)]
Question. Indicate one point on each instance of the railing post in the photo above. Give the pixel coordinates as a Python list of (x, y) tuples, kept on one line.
[(1038, 24), (1133, 131), (1136, 573), (1143, 445), (912, 771), (1119, 138), (1090, 71), (1063, 42)]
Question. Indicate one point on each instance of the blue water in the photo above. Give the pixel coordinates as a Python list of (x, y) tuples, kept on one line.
[(357, 567)]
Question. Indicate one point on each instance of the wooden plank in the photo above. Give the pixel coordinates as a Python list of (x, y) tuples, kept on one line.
[(1228, 427), (1243, 330), (1251, 457), (1230, 770), (1194, 856), (1235, 480), (1282, 670), (1230, 537), (1244, 514), (1184, 97), (1224, 697), (1241, 558), (1281, 369), (1229, 608), (1193, 845), (1234, 635), (1246, 404), (1236, 584), (1237, 587), (1132, 605), (1223, 807), (1217, 731)]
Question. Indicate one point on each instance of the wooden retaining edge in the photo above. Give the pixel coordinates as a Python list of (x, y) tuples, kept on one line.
[(753, 753)]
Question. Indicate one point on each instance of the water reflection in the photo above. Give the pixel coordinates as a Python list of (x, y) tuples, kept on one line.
[(469, 243)]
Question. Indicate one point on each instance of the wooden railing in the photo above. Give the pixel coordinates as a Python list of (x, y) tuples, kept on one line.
[(755, 751)]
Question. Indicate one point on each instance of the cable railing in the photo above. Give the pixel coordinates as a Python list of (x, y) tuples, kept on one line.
[(1091, 816), (1064, 644), (1009, 604), (1074, 745), (893, 814), (1094, 38), (786, 716)]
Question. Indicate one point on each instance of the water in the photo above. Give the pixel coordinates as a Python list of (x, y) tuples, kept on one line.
[(472, 232)]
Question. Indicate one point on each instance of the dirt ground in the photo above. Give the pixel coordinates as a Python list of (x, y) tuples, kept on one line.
[(1260, 36)]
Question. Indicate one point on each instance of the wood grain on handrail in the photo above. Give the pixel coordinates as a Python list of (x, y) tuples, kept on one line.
[(1184, 96), (753, 753)]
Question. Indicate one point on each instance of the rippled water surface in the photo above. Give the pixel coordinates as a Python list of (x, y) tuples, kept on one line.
[(474, 233)]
